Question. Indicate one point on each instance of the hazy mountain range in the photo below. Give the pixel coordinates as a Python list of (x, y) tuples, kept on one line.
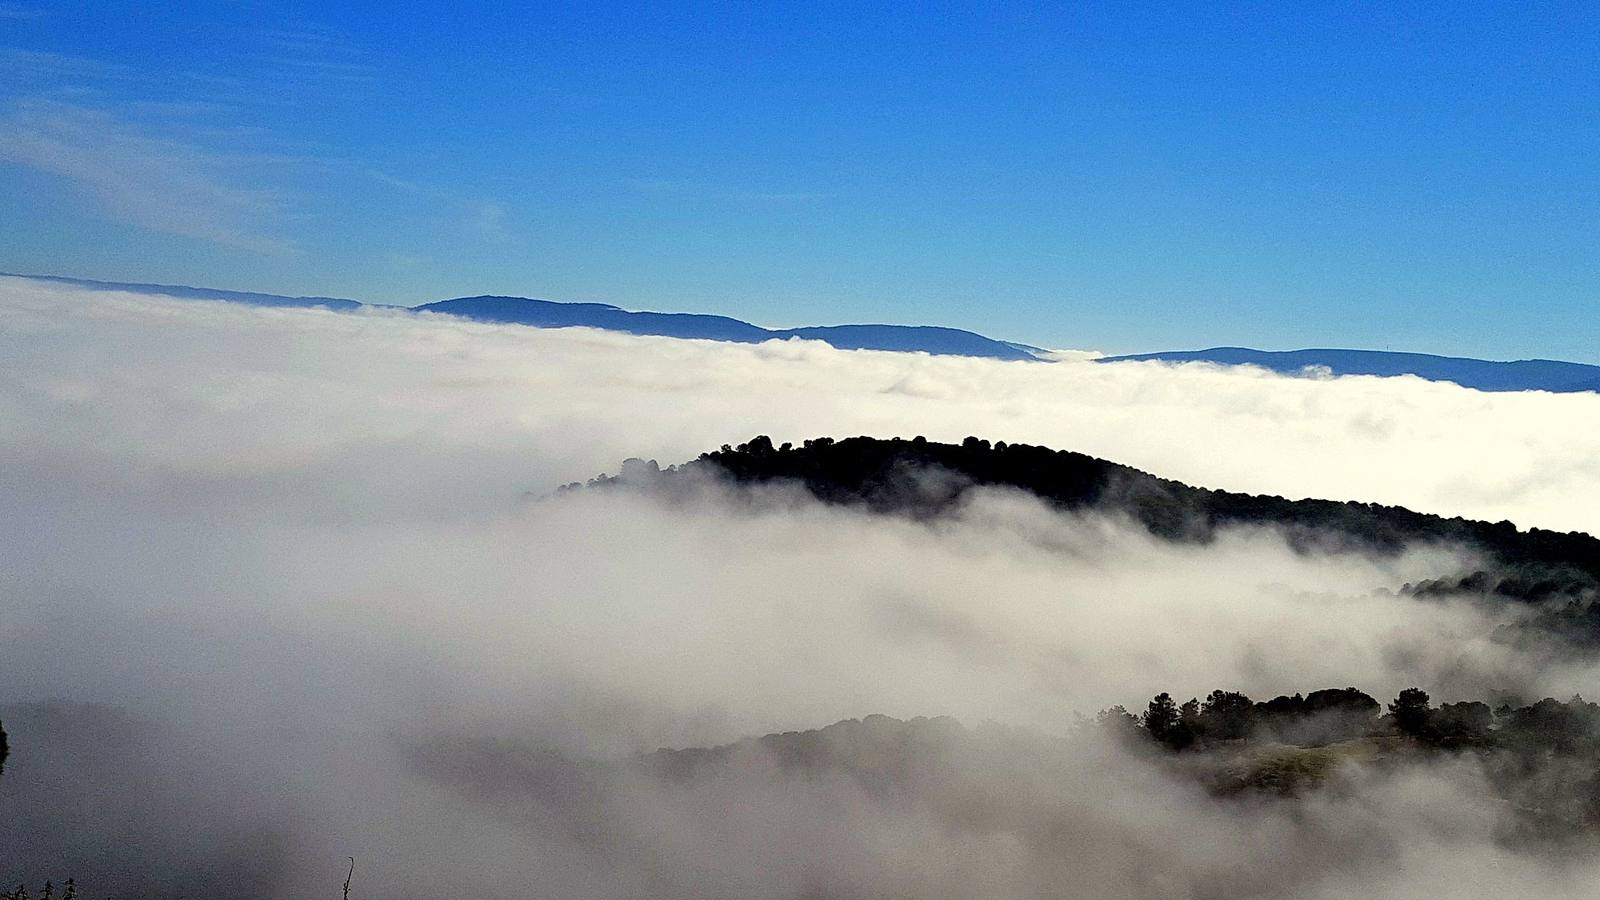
[(551, 314), (1480, 374), (1484, 375), (554, 314)]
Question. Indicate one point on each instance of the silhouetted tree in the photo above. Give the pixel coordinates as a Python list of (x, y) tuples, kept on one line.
[(1338, 714), (1460, 723), (760, 445), (1166, 721), (1189, 719), (1161, 717), (1281, 707), (1118, 721), (1226, 716), (640, 471), (1552, 725), (1411, 711)]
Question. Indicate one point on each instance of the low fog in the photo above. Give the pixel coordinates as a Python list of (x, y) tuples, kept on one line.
[(283, 587)]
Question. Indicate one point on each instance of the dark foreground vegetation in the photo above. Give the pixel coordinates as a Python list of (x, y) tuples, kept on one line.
[(69, 891), (1559, 572), (1539, 762), (1251, 761), (1542, 758)]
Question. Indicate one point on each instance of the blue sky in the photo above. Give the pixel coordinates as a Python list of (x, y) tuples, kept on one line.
[(1384, 175)]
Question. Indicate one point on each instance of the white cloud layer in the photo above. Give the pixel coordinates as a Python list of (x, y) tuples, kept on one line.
[(288, 544)]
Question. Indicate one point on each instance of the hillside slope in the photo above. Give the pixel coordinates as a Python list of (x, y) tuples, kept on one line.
[(893, 476)]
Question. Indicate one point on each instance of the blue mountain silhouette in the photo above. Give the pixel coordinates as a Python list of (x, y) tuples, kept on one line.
[(553, 314), (1480, 374), (193, 293), (1484, 375), (550, 314)]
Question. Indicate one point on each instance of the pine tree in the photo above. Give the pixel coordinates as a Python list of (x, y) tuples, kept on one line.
[(1161, 717)]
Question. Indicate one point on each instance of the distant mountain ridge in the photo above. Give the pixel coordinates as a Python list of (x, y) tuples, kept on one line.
[(555, 314), (1483, 375), (550, 314), (193, 293)]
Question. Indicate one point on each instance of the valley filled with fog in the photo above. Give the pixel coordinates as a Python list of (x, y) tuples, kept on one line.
[(287, 586)]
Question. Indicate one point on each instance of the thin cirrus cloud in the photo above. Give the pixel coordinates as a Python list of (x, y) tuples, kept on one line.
[(133, 176), (181, 155), (50, 73)]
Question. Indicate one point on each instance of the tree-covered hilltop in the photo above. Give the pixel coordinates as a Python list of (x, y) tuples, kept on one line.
[(1542, 758), (1541, 761), (925, 478), (1332, 715)]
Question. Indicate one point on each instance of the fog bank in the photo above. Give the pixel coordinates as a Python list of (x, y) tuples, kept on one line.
[(285, 549)]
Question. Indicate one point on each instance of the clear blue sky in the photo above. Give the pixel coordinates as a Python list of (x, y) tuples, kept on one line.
[(1422, 177)]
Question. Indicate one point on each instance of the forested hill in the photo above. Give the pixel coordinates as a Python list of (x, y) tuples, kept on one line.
[(924, 478)]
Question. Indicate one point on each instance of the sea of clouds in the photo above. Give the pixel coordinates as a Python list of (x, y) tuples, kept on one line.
[(252, 558)]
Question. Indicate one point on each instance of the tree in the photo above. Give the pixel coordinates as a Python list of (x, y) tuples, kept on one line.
[(1167, 723), (1461, 723), (1411, 711), (1338, 714), (1189, 718), (1161, 717), (1118, 721), (1226, 716), (760, 445)]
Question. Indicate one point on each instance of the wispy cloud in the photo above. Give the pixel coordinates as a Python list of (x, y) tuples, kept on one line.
[(16, 11), (668, 187), (489, 220), (312, 57), (35, 68), (131, 175)]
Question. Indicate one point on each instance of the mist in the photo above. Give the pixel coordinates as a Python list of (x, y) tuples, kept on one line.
[(283, 587)]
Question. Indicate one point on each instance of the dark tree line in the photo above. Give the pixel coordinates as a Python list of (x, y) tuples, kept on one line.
[(883, 475), (1327, 716), (69, 891), (1320, 717)]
